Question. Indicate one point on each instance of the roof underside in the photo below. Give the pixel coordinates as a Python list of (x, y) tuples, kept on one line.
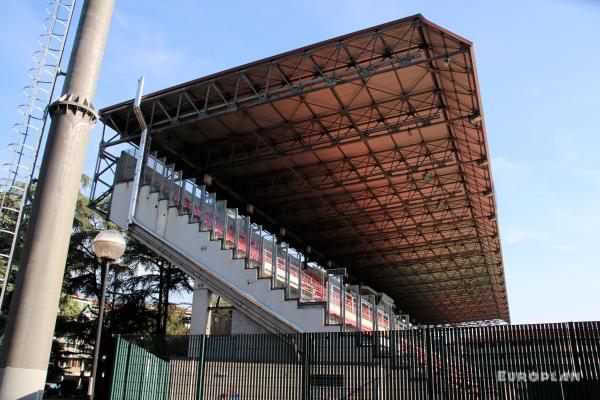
[(368, 147)]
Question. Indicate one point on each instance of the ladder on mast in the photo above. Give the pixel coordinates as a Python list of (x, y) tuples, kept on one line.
[(15, 184)]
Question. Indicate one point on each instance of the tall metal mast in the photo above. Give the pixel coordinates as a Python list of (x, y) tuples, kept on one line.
[(30, 326), (29, 128)]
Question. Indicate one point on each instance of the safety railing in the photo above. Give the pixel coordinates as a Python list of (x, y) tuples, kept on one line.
[(287, 267), (367, 316), (385, 317), (351, 305), (335, 299), (313, 285)]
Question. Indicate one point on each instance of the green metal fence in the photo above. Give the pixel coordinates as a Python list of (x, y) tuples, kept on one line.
[(545, 361)]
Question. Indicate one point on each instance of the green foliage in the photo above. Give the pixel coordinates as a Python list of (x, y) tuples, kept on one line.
[(137, 295), (69, 307), (156, 280), (58, 356), (7, 224), (176, 323)]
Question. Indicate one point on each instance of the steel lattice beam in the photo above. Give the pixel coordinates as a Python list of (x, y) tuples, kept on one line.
[(368, 147)]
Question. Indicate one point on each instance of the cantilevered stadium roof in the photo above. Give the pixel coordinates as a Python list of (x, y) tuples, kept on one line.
[(369, 147)]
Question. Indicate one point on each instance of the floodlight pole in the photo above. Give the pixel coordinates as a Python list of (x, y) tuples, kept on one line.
[(29, 332)]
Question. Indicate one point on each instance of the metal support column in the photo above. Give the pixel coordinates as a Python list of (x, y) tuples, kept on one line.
[(141, 159), (29, 331)]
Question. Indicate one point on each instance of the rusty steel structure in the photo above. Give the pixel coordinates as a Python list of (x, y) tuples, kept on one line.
[(370, 148)]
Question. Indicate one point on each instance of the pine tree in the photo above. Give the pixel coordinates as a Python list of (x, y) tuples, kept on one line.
[(138, 294)]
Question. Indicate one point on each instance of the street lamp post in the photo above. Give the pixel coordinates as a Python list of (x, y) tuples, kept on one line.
[(109, 245)]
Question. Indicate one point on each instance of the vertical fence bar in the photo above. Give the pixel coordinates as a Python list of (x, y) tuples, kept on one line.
[(425, 363), (594, 340), (305, 366), (577, 357), (117, 368), (201, 367), (596, 354), (429, 363), (547, 364), (486, 355), (592, 365)]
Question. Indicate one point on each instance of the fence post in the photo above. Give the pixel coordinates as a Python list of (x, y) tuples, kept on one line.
[(393, 346), (115, 365), (429, 363), (126, 369), (305, 367), (201, 368)]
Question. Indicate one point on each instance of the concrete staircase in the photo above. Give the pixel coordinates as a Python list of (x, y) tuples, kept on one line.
[(172, 235), (262, 278)]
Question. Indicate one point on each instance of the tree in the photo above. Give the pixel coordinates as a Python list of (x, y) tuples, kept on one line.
[(7, 224), (157, 279), (176, 324), (138, 289), (138, 293), (62, 346)]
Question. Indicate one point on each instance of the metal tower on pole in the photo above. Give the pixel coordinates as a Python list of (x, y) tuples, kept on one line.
[(29, 129), (29, 331)]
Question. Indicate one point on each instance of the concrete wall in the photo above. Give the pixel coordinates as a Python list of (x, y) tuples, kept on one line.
[(241, 324)]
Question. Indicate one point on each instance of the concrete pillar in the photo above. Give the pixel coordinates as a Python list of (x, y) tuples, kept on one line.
[(201, 297), (28, 336)]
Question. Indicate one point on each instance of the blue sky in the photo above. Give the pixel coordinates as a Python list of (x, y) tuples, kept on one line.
[(538, 64)]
